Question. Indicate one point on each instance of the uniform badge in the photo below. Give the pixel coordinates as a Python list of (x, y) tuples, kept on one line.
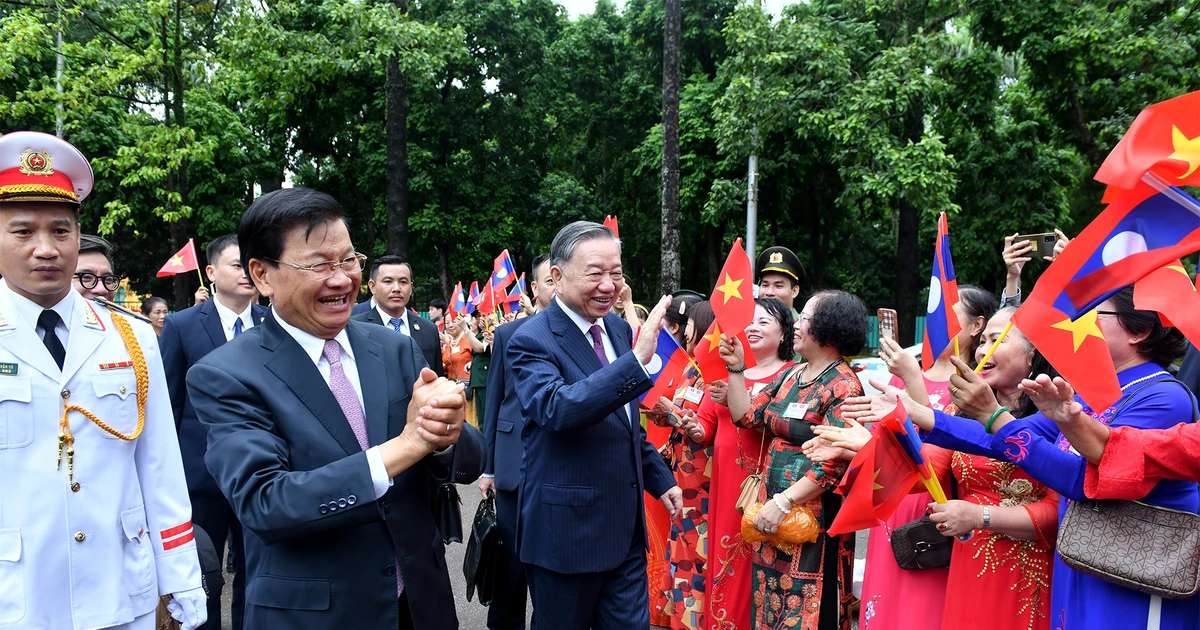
[(36, 163), (117, 365), (92, 319), (416, 327), (776, 258), (8, 369)]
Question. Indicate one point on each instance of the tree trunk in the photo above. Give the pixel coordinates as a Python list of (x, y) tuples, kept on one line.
[(443, 251), (396, 89), (183, 282), (669, 276), (908, 256)]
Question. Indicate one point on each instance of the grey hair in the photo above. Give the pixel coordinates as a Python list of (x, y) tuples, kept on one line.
[(563, 247)]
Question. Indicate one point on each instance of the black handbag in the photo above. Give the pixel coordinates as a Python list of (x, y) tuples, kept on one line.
[(483, 552), (447, 509), (919, 544)]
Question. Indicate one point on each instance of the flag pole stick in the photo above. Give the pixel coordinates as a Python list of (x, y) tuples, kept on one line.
[(979, 368), (199, 275)]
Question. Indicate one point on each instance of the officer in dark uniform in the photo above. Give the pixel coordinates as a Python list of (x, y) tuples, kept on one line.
[(779, 273)]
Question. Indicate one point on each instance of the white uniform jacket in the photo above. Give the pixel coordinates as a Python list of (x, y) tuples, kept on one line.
[(99, 553)]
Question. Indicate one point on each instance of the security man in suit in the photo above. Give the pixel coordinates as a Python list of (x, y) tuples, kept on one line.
[(95, 523), (391, 288), (187, 337), (579, 373), (504, 422), (779, 273), (329, 436)]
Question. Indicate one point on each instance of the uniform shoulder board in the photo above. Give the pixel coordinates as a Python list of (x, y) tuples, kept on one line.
[(117, 308)]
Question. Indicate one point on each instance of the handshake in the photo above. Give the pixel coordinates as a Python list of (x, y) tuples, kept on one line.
[(435, 417)]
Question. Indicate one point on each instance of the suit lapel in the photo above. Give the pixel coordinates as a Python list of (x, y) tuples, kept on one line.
[(368, 355), (258, 313), (574, 343), (23, 341), (211, 320), (297, 371), (87, 332)]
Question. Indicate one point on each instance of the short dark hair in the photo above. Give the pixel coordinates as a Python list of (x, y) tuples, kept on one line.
[(702, 317), (388, 259), (978, 303), (678, 314), (787, 323), (537, 262), (438, 303), (1162, 345), (149, 303), (840, 321), (218, 245), (268, 220), (89, 243)]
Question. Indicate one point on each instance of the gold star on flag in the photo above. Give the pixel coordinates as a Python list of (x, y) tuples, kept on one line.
[(1186, 150), (1184, 272), (875, 479), (730, 288), (1081, 328), (176, 261), (714, 338)]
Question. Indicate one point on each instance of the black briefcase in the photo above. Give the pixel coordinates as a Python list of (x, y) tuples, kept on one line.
[(483, 552), (448, 512)]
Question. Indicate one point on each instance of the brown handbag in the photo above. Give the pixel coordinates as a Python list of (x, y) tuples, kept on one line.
[(1146, 548), (752, 484)]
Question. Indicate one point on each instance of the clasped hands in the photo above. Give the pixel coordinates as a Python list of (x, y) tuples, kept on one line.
[(436, 412)]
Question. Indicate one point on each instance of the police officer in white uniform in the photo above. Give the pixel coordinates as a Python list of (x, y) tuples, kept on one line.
[(95, 522)]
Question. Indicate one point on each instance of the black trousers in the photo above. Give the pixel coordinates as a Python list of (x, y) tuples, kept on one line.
[(213, 513), (507, 611)]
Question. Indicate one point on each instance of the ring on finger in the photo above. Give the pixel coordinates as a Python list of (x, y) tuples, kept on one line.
[(954, 390), (447, 431), (942, 527)]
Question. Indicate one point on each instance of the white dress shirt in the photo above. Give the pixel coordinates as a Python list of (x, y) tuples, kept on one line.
[(229, 318), (406, 329), (314, 347), (31, 311)]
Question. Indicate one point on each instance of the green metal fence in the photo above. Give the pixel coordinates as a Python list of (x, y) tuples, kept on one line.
[(873, 332)]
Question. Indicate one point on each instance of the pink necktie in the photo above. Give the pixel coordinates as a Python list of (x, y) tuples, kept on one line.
[(598, 343), (347, 399)]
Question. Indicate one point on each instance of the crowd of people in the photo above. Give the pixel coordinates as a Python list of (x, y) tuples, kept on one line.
[(310, 437)]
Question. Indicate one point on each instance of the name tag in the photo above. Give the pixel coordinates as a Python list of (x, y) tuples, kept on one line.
[(758, 387), (796, 411), (8, 369), (694, 395)]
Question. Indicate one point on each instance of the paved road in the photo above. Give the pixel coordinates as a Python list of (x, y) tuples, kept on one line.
[(471, 615)]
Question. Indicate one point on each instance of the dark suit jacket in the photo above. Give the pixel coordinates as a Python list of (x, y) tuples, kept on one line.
[(187, 337), (362, 307), (586, 464), (503, 419), (320, 549), (422, 331)]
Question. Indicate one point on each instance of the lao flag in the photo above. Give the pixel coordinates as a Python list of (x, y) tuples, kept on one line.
[(666, 369), (503, 272), (1143, 230), (941, 323), (473, 298), (458, 304), (513, 301)]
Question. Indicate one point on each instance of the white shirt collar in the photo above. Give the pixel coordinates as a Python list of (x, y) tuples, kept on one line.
[(312, 345), (583, 324), (31, 311), (228, 317), (386, 318)]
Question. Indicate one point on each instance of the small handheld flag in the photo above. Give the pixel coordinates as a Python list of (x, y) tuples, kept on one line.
[(941, 322), (473, 298), (666, 369), (183, 260), (610, 222), (503, 272), (733, 296)]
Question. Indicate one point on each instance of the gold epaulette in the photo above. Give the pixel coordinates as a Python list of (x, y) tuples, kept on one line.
[(117, 308)]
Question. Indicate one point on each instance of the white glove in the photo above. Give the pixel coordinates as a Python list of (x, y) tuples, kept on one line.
[(189, 608)]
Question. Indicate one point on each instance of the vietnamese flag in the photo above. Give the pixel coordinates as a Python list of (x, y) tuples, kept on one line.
[(1076, 349), (183, 260), (733, 298), (1164, 140), (1169, 291), (708, 354), (879, 478), (610, 222)]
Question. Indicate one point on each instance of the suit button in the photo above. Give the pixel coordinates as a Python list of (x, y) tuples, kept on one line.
[(341, 503), (324, 509), (333, 505), (80, 536), (390, 570), (74, 486), (351, 499), (66, 393)]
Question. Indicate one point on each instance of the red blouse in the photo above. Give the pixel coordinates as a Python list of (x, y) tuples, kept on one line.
[(1135, 460)]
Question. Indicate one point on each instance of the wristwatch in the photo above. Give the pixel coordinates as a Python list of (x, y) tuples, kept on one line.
[(987, 517)]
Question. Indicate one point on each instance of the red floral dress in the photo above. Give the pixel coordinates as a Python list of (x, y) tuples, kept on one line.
[(810, 590)]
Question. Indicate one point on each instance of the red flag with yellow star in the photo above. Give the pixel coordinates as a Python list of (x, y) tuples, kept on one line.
[(1169, 292), (1076, 349), (708, 354), (879, 478), (1164, 139), (733, 298), (183, 260)]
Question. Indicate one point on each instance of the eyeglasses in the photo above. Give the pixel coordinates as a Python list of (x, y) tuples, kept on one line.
[(90, 280), (353, 264)]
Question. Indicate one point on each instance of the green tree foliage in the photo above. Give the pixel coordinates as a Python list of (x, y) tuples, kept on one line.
[(869, 118)]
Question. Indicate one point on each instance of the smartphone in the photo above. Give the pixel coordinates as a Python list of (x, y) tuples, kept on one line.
[(887, 323), (1044, 242)]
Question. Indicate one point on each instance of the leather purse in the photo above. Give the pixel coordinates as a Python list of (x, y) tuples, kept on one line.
[(919, 544), (447, 510), (752, 485), (1145, 548)]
